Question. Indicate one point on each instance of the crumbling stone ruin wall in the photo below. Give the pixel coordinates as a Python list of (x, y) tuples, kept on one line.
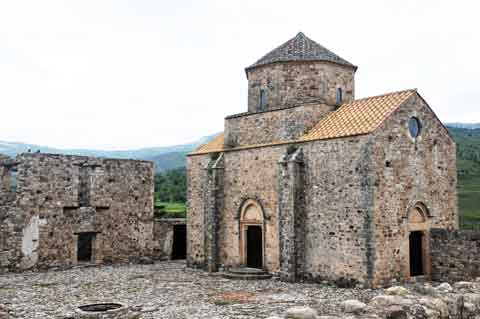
[(163, 236), (415, 188), (455, 255), (61, 199), (296, 83)]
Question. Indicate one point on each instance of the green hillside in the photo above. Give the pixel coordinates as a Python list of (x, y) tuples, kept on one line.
[(468, 168), (169, 161), (170, 193)]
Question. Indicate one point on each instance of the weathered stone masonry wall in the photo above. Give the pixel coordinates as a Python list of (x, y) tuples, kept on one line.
[(273, 126), (291, 219), (338, 194), (59, 197), (455, 255), (295, 83), (410, 171), (196, 179), (250, 174), (336, 198)]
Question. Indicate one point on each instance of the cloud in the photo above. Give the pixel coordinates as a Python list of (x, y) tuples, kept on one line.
[(122, 74)]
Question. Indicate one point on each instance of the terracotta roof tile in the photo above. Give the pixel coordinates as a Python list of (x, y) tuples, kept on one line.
[(358, 117), (214, 145)]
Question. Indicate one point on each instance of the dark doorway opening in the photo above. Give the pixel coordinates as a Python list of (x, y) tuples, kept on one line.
[(179, 246), (416, 253), (85, 247), (254, 247)]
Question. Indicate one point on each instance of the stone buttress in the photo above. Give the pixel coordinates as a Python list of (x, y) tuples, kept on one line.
[(290, 213), (213, 199)]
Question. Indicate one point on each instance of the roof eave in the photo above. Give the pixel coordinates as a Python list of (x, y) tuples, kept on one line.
[(252, 67), (273, 144)]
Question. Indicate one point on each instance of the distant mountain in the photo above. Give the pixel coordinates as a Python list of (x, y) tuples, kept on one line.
[(165, 157), (171, 157), (469, 126), (168, 161)]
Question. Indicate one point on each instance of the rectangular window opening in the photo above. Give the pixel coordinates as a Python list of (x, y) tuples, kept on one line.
[(84, 186)]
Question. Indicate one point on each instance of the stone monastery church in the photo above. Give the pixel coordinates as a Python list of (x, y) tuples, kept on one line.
[(313, 184)]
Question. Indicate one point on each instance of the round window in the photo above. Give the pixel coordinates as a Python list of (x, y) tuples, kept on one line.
[(414, 126)]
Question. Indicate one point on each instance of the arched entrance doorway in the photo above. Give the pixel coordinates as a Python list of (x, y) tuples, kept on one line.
[(418, 241), (251, 235)]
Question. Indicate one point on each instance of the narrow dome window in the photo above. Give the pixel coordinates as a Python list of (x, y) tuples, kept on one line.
[(414, 126), (339, 97), (13, 181), (262, 101)]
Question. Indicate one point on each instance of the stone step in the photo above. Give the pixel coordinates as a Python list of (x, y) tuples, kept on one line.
[(246, 271), (247, 274), (229, 275)]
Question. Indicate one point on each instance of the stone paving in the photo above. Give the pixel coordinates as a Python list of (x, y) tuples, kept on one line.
[(165, 290)]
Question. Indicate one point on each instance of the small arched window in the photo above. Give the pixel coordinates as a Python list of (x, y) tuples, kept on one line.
[(339, 97), (262, 101)]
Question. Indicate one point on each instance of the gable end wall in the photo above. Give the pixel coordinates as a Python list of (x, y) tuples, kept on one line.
[(410, 171)]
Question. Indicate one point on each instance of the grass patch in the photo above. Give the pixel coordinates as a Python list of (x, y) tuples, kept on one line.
[(170, 210)]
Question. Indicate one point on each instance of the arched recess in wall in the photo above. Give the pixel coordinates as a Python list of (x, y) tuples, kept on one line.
[(418, 215), (418, 241), (252, 234)]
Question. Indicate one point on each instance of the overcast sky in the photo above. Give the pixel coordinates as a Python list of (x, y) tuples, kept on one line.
[(128, 74)]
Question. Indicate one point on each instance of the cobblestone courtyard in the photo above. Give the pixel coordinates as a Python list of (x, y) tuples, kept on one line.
[(164, 290)]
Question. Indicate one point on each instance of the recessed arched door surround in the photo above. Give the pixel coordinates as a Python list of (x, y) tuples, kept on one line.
[(252, 234), (418, 241)]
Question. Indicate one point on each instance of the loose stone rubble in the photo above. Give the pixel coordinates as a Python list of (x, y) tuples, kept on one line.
[(170, 290)]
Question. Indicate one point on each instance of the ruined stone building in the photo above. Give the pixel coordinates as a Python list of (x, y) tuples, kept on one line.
[(311, 183), (169, 239), (58, 211)]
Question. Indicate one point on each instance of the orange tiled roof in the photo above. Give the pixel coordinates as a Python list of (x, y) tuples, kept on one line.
[(359, 117), (214, 145)]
